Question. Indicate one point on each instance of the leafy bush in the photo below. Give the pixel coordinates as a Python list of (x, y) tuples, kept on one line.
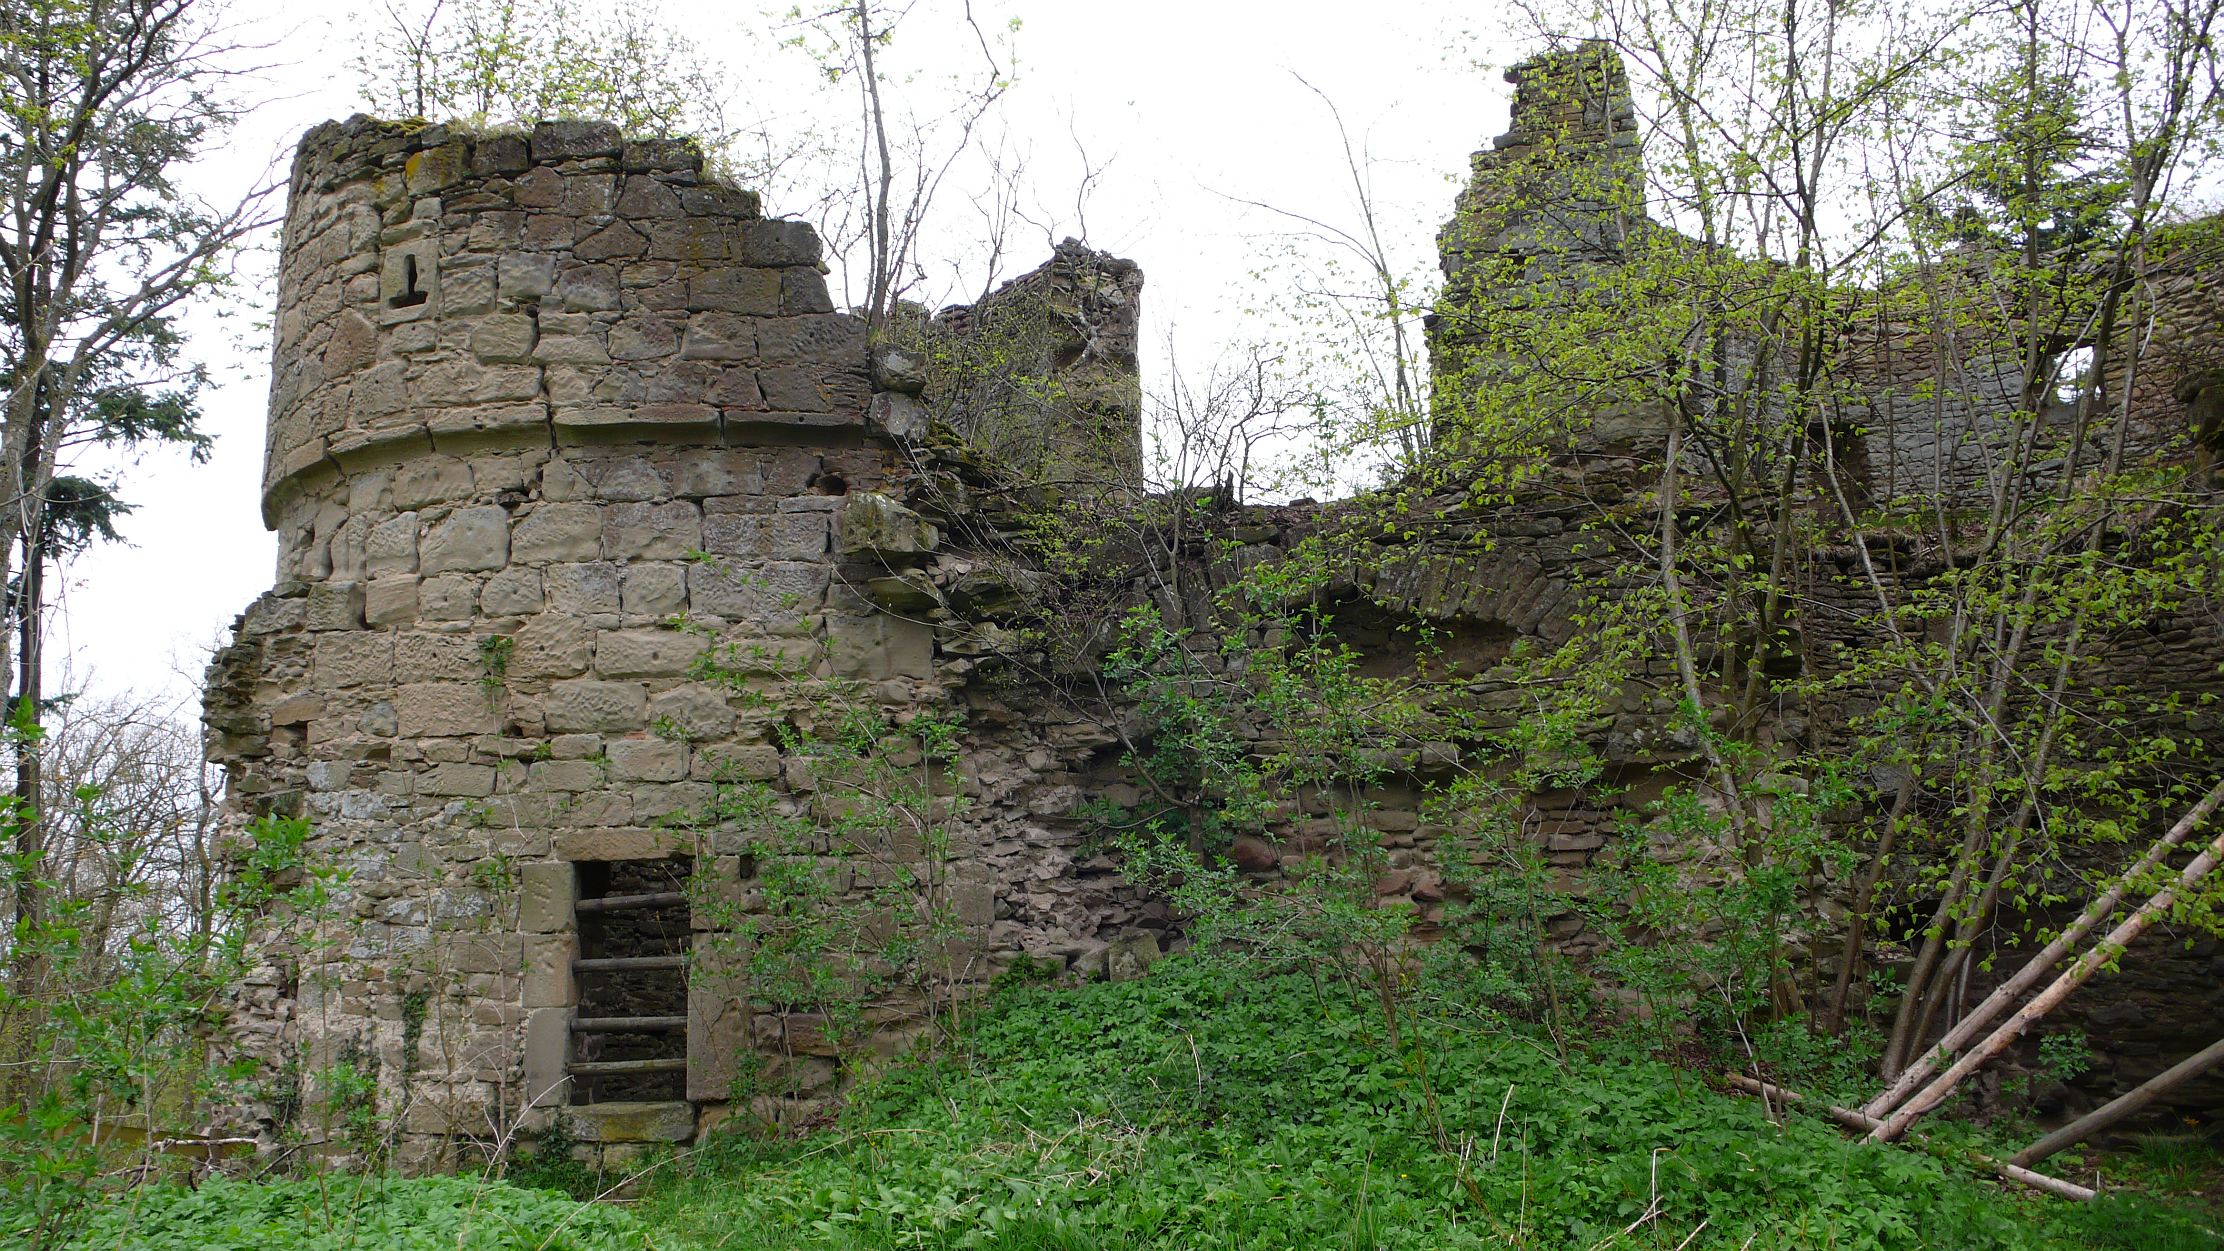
[(1207, 1106), (344, 1213)]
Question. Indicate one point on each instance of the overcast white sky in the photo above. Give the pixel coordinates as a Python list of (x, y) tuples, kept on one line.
[(1184, 104)]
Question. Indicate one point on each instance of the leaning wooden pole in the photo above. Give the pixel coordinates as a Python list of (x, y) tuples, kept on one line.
[(2095, 958), (1984, 1014), (2123, 1105), (1862, 1121)]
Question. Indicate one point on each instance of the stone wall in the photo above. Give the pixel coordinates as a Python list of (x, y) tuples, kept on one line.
[(539, 399), (535, 397), (1041, 375)]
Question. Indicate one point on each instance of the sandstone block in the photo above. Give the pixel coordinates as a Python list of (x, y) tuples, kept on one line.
[(654, 802), (717, 473), (548, 976), (272, 613), (647, 760), (643, 338), (468, 539), (335, 606), (778, 242), (565, 775), (880, 647), (431, 480), (803, 290), (354, 344), (552, 645), (775, 536), (569, 349), (788, 389), (619, 1122), (466, 289), (645, 653), (444, 709), (547, 1049), (696, 710), (425, 657), (777, 593), (570, 140), (616, 240), (466, 780), (647, 197), (391, 546), (514, 592), (360, 659), (546, 891), (728, 762), (619, 844), (755, 292), (523, 276), (874, 525), (667, 531), (583, 590), (450, 597), (654, 590), (505, 339), (558, 532), (585, 288), (596, 706), (718, 336)]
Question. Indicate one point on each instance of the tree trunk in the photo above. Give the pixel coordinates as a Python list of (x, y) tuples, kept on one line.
[(2028, 976), (2101, 953), (2010, 1170), (2123, 1105)]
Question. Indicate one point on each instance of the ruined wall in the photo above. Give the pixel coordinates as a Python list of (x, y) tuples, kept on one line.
[(1551, 209), (537, 398), (540, 398), (1041, 375)]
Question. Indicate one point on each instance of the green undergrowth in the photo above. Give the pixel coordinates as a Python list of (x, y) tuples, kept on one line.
[(349, 1213), (1208, 1107)]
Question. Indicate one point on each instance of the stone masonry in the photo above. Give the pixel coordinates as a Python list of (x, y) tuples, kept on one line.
[(535, 398), (538, 398)]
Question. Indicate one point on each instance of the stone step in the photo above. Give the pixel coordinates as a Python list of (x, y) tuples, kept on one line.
[(631, 1122)]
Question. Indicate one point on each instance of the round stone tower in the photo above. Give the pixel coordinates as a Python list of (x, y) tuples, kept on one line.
[(552, 415)]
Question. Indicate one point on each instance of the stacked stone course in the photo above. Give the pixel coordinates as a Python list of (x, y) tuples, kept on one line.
[(535, 396)]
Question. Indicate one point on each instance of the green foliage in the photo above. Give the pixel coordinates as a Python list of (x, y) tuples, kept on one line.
[(498, 61), (545, 1162), (1209, 1106), (850, 898), (102, 1036), (343, 1213), (495, 651)]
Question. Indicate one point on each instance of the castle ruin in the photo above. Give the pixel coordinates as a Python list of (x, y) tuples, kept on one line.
[(557, 421)]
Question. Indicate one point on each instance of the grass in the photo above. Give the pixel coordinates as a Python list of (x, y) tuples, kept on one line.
[(1202, 1107), (1210, 1107), (342, 1213)]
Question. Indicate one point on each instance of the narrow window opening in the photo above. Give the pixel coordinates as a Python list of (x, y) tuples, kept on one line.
[(629, 1035), (2073, 374), (411, 295)]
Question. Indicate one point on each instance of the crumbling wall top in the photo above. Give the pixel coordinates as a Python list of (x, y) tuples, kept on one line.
[(442, 286)]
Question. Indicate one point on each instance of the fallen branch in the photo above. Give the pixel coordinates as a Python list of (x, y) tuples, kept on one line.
[(1863, 1122), (1984, 1014), (2080, 971), (2124, 1105)]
